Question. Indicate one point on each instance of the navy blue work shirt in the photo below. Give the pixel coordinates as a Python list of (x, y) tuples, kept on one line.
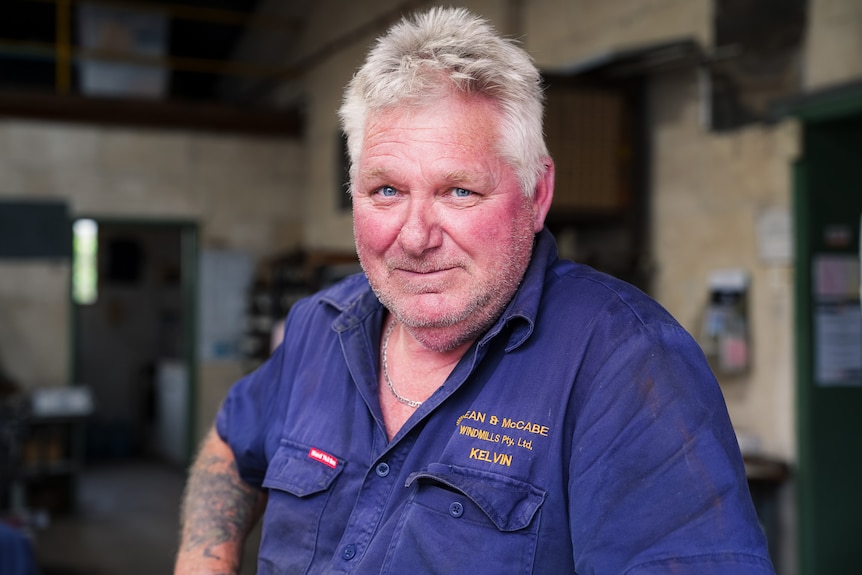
[(583, 433)]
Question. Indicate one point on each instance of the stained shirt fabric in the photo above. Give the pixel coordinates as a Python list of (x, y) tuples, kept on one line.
[(583, 433)]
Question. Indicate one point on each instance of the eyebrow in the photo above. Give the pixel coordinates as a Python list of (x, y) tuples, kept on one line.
[(375, 173), (461, 177)]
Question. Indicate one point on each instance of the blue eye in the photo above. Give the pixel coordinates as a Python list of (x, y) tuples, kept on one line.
[(388, 191), (461, 193)]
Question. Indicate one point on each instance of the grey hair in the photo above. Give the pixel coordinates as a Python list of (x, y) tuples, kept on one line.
[(406, 65)]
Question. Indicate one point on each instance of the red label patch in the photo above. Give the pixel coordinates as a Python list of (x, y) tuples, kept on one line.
[(323, 457)]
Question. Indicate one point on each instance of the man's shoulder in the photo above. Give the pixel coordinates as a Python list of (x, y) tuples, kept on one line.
[(586, 290)]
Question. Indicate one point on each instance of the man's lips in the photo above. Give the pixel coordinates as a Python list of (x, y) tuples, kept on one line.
[(424, 280), (424, 272)]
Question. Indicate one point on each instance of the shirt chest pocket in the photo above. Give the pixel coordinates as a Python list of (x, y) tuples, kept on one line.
[(301, 470), (299, 479), (461, 520)]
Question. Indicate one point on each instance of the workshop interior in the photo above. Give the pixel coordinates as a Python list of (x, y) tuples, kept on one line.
[(173, 180)]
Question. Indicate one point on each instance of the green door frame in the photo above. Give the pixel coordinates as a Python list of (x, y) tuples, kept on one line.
[(811, 110), (189, 233), (802, 345)]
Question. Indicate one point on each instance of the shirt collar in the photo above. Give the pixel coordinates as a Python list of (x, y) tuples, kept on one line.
[(520, 315), (355, 300)]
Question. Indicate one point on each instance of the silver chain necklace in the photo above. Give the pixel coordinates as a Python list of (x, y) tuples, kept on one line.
[(398, 396)]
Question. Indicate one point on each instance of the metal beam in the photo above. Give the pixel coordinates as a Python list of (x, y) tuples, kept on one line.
[(193, 13), (46, 51), (151, 114)]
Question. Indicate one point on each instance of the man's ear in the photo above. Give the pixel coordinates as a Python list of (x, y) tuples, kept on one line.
[(543, 194)]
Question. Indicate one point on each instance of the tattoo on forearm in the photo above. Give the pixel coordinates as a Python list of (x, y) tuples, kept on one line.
[(218, 507)]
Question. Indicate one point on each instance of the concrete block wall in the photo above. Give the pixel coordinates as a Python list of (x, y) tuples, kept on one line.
[(245, 193), (34, 322), (559, 33), (833, 43)]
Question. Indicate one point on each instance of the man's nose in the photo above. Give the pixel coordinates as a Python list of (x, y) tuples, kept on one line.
[(420, 231)]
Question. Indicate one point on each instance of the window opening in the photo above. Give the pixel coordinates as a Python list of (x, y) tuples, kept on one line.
[(85, 249)]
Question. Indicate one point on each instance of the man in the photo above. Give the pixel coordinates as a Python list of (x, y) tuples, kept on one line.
[(471, 403)]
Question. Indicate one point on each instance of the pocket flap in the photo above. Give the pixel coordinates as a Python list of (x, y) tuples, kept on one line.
[(509, 503), (302, 470)]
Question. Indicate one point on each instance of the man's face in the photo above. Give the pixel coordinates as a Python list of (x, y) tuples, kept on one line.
[(442, 228)]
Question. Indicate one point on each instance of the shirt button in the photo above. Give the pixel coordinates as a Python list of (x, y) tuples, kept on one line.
[(349, 552), (456, 509), (382, 469)]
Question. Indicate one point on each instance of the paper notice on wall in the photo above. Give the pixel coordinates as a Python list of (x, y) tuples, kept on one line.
[(836, 276), (838, 344), (224, 278), (775, 236)]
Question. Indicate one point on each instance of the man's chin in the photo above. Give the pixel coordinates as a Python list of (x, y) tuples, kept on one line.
[(428, 320), (428, 311)]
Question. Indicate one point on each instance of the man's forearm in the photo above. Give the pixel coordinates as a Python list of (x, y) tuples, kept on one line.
[(219, 509)]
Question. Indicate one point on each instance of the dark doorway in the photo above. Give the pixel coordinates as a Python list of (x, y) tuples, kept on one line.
[(133, 339)]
